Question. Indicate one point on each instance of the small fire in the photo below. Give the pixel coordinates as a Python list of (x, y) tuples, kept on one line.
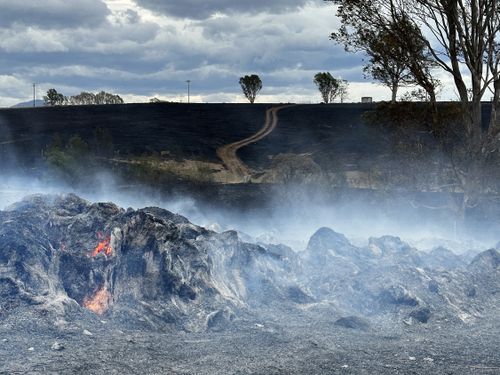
[(99, 302), (104, 246)]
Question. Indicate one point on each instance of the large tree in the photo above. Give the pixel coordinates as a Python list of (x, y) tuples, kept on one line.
[(462, 38), (387, 63), (251, 86), (327, 85), (396, 54)]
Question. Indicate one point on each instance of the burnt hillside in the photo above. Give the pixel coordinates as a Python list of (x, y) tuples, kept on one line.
[(335, 133), (192, 131), (335, 136)]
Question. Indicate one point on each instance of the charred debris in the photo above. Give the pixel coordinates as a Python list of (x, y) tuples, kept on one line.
[(66, 259)]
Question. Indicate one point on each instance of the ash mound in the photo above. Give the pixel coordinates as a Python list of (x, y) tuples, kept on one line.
[(66, 256), (63, 258), (389, 278)]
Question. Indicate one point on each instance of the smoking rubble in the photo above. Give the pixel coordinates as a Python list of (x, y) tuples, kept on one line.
[(68, 265)]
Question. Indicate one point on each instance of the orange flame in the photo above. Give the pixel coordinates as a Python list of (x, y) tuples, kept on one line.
[(99, 302), (104, 246)]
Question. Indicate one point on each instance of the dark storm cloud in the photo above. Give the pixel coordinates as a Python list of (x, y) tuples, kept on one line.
[(196, 9), (52, 13)]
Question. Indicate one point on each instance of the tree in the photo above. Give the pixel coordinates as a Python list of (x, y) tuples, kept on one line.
[(251, 86), (53, 98), (397, 56), (343, 90), (327, 85), (462, 38), (387, 63), (107, 98)]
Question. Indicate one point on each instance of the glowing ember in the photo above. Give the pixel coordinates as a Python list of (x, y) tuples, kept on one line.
[(104, 246), (99, 302)]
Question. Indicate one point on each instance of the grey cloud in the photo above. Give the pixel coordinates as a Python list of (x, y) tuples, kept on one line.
[(106, 39), (274, 42), (131, 16), (196, 9), (134, 54), (53, 13)]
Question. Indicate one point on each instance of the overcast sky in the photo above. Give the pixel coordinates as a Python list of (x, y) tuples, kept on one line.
[(148, 48)]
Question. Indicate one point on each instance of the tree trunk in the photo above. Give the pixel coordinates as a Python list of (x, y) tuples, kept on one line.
[(494, 125), (394, 89), (475, 129)]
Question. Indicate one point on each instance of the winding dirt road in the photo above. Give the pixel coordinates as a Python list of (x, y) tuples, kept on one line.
[(228, 155)]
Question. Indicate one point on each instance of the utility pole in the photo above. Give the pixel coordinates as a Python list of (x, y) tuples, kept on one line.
[(189, 90), (34, 94)]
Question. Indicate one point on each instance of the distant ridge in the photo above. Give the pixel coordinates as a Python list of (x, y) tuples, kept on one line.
[(39, 103)]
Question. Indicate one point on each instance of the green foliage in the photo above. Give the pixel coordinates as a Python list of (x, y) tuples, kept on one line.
[(387, 61), (397, 51), (53, 98), (77, 147), (75, 160), (70, 160), (251, 86), (328, 86)]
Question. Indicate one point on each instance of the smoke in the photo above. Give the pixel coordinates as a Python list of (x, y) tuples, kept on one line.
[(293, 214), (286, 213), (290, 215)]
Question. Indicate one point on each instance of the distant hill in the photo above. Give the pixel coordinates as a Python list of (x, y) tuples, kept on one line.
[(29, 103)]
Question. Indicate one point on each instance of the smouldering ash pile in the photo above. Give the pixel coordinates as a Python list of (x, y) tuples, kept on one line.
[(75, 273)]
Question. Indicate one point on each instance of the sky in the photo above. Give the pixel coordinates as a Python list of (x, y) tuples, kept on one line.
[(142, 49)]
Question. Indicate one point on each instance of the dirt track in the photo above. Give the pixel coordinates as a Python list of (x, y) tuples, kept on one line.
[(228, 155)]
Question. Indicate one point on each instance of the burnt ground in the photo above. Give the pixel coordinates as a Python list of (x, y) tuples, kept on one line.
[(336, 136), (263, 347), (186, 131), (334, 133), (330, 133)]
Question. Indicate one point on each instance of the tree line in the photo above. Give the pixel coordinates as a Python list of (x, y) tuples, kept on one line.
[(54, 98)]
